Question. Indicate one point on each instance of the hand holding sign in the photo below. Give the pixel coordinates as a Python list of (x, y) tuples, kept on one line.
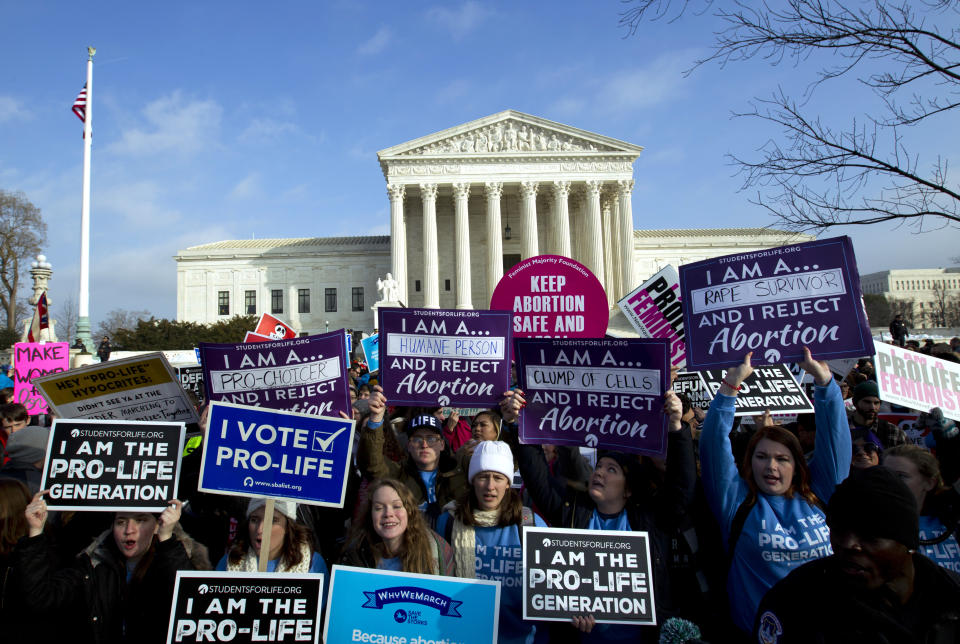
[(736, 375), (169, 519), (673, 408), (513, 401), (36, 513), (378, 405), (818, 369)]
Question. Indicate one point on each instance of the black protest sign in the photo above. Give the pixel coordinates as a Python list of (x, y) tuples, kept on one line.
[(691, 384), (245, 607), (112, 465), (191, 379), (769, 388), (606, 574)]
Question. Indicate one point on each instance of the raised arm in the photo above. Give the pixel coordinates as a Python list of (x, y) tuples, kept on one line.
[(833, 449), (724, 488), (370, 459)]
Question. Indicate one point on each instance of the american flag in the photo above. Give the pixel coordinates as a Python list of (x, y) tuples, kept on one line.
[(80, 105)]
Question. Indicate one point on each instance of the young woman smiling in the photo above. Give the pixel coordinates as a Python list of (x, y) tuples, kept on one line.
[(484, 530), (391, 534), (772, 518)]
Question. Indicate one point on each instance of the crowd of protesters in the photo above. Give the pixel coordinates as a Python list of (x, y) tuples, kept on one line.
[(865, 514)]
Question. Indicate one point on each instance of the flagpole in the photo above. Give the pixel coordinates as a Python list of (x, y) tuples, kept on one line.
[(83, 317)]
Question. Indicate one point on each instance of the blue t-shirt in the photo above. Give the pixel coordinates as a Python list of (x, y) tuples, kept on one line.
[(499, 557), (947, 552), (430, 482), (390, 563), (780, 534)]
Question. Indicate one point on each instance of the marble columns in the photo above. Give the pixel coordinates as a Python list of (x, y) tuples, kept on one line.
[(431, 269)]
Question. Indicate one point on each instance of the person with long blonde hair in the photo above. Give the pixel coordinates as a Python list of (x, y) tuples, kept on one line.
[(390, 533)]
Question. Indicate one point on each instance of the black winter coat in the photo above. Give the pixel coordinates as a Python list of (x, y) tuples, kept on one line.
[(94, 592), (658, 516)]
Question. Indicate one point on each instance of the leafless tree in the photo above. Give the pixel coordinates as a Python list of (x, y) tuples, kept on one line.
[(904, 308), (119, 319), (22, 232), (941, 297), (820, 175), (67, 319)]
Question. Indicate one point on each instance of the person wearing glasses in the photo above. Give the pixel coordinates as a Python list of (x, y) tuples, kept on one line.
[(427, 468), (866, 449)]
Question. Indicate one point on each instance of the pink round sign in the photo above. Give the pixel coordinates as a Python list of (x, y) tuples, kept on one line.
[(553, 297)]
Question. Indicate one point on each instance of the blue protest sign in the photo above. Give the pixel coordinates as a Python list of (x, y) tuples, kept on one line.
[(251, 451), (367, 605), (774, 302), (371, 351), (349, 342)]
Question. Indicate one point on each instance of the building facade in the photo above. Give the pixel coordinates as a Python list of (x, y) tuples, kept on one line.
[(466, 204), (927, 297)]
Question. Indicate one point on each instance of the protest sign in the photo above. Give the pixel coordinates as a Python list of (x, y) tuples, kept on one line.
[(371, 351), (250, 451), (843, 367), (917, 380), (210, 606), (916, 432), (366, 605), (769, 388), (605, 573), (138, 388), (553, 297), (112, 465), (691, 384), (774, 302), (444, 357), (191, 379), (33, 360), (654, 310), (250, 336), (274, 328), (595, 393), (301, 374)]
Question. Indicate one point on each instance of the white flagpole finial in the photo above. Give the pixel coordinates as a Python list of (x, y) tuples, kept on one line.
[(91, 51)]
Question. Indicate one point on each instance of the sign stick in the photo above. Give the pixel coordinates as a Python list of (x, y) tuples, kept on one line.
[(267, 531)]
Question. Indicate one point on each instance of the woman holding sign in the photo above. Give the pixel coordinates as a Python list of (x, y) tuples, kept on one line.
[(484, 530), (119, 589), (291, 548), (772, 518), (391, 534), (615, 500)]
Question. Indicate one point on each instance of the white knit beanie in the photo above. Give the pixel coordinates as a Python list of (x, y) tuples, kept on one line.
[(286, 508), (491, 456)]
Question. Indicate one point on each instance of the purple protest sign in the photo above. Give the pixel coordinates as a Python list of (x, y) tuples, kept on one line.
[(774, 302), (305, 375), (444, 357), (595, 393)]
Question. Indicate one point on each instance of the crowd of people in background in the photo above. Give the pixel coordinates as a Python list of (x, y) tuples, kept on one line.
[(838, 526)]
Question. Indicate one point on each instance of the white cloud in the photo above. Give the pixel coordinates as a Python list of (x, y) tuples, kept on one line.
[(642, 87), (173, 124), (461, 20), (137, 202), (12, 110), (266, 130), (247, 187), (376, 43)]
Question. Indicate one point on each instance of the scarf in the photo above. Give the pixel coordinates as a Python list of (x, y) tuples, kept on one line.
[(622, 522), (250, 561), (464, 542)]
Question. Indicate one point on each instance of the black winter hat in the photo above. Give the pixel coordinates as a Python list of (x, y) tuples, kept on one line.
[(865, 390), (875, 503)]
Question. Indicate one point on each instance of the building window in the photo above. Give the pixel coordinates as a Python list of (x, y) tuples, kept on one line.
[(416, 285), (446, 285), (330, 300), (276, 301), (357, 298), (250, 302), (223, 303), (303, 300)]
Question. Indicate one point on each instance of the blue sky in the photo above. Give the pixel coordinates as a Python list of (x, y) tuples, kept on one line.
[(217, 120)]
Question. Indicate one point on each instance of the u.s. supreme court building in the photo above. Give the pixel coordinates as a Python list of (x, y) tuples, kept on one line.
[(466, 204)]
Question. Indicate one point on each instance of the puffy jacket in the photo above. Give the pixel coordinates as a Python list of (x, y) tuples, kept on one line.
[(94, 592)]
